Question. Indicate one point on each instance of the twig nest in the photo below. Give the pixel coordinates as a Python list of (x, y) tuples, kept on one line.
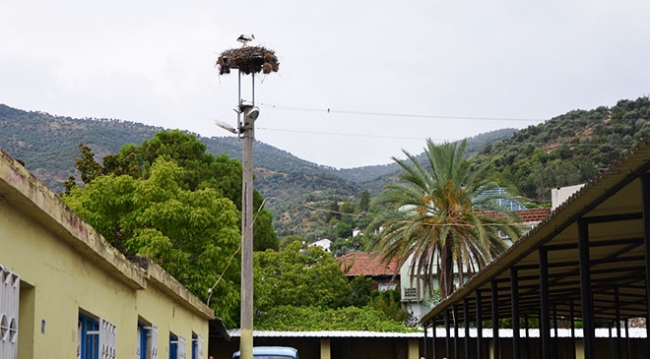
[(249, 60)]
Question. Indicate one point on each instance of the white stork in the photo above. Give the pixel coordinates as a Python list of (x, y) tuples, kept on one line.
[(245, 39)]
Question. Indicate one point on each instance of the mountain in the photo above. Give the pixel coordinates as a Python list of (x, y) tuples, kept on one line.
[(567, 149), (297, 191)]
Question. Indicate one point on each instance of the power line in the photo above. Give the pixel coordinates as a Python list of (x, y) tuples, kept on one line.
[(388, 114), (569, 144), (339, 134)]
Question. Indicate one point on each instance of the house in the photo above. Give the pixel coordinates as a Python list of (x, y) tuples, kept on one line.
[(324, 243), (67, 293), (357, 264)]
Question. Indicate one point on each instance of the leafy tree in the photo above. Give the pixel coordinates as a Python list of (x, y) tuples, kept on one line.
[(443, 215), (192, 234), (292, 278), (364, 201), (288, 240), (389, 303), (289, 318), (361, 288), (86, 165), (333, 212), (344, 229), (200, 170)]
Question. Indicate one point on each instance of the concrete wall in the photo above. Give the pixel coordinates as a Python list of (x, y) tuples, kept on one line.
[(66, 267)]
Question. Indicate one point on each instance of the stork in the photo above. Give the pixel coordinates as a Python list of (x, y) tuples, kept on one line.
[(245, 39)]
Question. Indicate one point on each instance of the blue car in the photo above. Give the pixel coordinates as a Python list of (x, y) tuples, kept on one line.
[(272, 353)]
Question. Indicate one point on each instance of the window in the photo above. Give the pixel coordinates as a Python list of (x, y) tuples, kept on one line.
[(176, 347), (9, 300), (197, 346), (96, 338), (147, 344), (382, 287), (88, 346)]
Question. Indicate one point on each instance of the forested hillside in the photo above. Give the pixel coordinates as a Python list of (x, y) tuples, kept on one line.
[(568, 149), (564, 150)]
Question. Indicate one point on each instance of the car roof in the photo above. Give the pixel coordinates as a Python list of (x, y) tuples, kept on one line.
[(272, 350)]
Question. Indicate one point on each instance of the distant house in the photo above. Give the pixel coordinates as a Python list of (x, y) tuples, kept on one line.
[(67, 293), (355, 264), (324, 243)]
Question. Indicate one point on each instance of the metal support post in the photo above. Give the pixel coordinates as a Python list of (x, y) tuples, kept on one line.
[(514, 289), (586, 299), (544, 318)]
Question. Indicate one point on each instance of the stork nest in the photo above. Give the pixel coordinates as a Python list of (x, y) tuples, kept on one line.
[(249, 60)]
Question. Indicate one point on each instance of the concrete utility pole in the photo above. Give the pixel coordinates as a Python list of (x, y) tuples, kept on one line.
[(248, 131), (247, 60)]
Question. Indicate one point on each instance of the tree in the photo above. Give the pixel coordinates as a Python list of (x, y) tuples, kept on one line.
[(364, 202), (292, 278), (192, 234), (444, 215), (288, 240), (200, 170)]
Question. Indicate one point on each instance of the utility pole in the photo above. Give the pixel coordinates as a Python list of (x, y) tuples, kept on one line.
[(248, 132), (249, 60)]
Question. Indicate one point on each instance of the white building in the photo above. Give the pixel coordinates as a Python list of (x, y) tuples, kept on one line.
[(324, 243)]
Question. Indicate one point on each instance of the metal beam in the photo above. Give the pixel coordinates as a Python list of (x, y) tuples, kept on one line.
[(645, 191), (466, 323), (495, 321), (479, 325), (447, 344), (424, 345), (617, 305), (573, 330), (544, 323), (455, 311), (514, 288), (434, 337), (586, 300)]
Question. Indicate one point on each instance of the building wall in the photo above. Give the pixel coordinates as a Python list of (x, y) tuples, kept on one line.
[(63, 284), (67, 268)]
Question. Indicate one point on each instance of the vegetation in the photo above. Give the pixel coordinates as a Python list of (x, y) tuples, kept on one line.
[(169, 200), (446, 218), (176, 197), (568, 149), (349, 318), (189, 233), (297, 290)]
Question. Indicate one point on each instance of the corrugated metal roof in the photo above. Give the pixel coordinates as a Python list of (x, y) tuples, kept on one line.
[(236, 333), (440, 333)]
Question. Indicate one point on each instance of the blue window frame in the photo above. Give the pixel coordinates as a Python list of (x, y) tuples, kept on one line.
[(142, 332), (173, 346), (195, 345), (88, 337)]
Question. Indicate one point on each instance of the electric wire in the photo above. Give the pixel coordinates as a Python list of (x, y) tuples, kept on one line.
[(394, 114)]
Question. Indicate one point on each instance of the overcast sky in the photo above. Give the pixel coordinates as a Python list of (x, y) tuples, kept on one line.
[(460, 65)]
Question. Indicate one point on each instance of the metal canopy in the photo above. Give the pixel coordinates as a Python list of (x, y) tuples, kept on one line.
[(611, 207)]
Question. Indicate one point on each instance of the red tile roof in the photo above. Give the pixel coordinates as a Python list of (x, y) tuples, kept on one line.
[(368, 264), (534, 215), (527, 215)]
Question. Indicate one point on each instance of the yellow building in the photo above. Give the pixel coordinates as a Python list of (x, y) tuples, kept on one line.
[(66, 293)]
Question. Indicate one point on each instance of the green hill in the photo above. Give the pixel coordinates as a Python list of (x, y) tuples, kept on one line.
[(564, 150)]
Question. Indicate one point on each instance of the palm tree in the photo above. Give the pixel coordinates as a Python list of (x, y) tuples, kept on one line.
[(443, 214)]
